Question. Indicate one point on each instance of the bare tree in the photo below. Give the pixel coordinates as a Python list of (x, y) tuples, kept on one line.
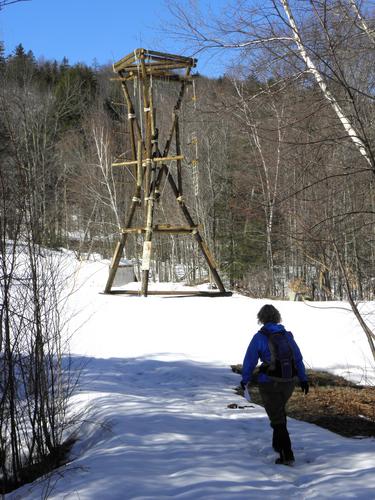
[(362, 21), (104, 166), (354, 135), (4, 3), (314, 45), (268, 161), (34, 386)]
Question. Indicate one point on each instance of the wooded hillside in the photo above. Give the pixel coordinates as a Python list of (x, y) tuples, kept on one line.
[(283, 192)]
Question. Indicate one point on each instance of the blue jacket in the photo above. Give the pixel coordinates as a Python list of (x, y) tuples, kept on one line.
[(258, 349)]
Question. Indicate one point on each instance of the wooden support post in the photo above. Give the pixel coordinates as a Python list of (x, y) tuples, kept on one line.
[(178, 152), (119, 250), (115, 263), (131, 116), (207, 255), (139, 169), (149, 186), (136, 201), (147, 243), (176, 110), (131, 119), (172, 130)]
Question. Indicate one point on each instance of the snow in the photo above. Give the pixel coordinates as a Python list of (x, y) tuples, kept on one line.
[(152, 404)]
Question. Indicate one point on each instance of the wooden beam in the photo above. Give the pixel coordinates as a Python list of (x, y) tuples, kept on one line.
[(190, 60), (162, 228), (160, 74), (181, 293), (154, 66), (156, 57), (155, 160), (207, 255), (129, 59)]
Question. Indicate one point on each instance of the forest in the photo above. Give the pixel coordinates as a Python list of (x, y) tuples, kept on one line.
[(283, 192)]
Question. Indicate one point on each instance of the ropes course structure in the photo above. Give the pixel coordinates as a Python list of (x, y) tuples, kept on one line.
[(150, 164)]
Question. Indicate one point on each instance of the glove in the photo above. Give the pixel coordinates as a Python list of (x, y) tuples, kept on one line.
[(305, 387), (247, 395)]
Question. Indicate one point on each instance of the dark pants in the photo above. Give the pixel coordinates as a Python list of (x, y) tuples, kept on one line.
[(275, 396)]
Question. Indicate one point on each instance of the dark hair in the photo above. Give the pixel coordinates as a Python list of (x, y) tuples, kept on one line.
[(269, 314)]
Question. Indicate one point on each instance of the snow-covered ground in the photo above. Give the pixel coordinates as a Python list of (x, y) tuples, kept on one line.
[(154, 393)]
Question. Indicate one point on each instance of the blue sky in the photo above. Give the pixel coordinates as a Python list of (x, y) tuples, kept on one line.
[(95, 30)]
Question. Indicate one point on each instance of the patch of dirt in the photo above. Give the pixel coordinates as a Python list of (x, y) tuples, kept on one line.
[(332, 402)]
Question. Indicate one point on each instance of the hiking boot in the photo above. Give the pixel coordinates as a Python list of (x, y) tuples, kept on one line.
[(282, 441), (285, 458)]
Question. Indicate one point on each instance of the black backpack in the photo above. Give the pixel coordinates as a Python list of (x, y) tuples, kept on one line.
[(282, 364)]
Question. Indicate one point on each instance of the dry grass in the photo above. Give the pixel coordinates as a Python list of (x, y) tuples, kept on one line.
[(348, 411), (333, 403)]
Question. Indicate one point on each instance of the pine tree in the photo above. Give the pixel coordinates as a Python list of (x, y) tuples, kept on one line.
[(21, 65)]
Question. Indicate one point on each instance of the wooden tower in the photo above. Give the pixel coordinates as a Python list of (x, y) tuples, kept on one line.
[(149, 161)]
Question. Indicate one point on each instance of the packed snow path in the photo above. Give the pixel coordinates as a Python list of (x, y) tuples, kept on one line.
[(153, 398), (157, 430)]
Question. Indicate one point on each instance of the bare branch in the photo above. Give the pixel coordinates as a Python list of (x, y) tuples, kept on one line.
[(349, 128), (4, 3), (362, 22)]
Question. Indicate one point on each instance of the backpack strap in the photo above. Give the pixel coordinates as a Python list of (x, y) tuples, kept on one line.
[(282, 364), (272, 364)]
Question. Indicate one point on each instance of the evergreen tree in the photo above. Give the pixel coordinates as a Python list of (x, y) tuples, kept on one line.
[(21, 65)]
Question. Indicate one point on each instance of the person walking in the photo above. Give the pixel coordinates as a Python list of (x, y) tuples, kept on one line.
[(282, 364)]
